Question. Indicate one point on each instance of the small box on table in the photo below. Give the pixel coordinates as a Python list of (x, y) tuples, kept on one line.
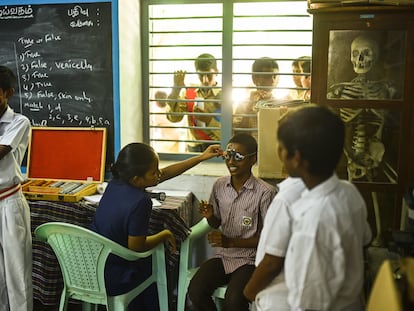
[(64, 164)]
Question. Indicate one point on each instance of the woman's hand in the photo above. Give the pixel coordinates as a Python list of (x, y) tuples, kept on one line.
[(211, 152), (169, 236)]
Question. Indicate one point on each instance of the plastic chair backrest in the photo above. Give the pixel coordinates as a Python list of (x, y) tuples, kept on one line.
[(187, 271), (82, 254), (384, 295)]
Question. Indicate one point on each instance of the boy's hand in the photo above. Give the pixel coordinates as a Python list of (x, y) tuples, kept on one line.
[(217, 239), (205, 209), (179, 77), (260, 95)]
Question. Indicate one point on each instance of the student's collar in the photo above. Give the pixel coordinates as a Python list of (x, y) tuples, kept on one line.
[(7, 115)]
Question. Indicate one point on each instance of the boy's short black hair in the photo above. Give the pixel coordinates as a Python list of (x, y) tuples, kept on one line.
[(303, 62), (246, 140), (317, 133), (7, 78), (134, 159), (265, 64), (205, 62)]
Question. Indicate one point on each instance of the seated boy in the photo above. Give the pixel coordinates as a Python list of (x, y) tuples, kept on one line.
[(324, 260), (238, 205)]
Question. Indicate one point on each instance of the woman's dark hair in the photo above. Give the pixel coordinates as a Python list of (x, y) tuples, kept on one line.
[(246, 140), (134, 159), (317, 133)]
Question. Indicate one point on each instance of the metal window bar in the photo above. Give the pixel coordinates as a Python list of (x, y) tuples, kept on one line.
[(244, 27)]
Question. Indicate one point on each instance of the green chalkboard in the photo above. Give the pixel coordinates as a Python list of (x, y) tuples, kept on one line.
[(62, 55)]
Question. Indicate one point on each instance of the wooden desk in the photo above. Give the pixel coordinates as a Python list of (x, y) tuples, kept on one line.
[(46, 275)]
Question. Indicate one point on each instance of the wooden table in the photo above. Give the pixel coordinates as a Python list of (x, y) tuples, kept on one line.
[(46, 275)]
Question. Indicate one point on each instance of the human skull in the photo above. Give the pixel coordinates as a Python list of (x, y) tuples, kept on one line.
[(364, 53)]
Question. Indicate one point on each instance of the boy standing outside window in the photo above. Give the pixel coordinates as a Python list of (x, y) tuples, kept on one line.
[(265, 77), (15, 233), (237, 207), (301, 68), (324, 266), (206, 99)]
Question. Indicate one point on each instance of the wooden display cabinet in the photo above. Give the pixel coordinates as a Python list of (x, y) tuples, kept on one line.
[(363, 66)]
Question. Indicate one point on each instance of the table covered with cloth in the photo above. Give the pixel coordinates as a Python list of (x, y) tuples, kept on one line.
[(46, 275)]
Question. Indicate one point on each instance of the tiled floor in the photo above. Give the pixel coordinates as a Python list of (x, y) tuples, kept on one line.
[(37, 306), (374, 255)]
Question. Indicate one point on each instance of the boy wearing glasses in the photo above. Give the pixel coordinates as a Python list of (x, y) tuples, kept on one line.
[(237, 207)]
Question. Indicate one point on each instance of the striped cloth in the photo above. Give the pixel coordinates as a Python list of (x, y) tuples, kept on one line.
[(46, 275)]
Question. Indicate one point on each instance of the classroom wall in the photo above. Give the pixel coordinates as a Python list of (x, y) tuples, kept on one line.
[(130, 71)]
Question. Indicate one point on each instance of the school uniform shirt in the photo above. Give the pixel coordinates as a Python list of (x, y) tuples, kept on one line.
[(123, 211), (16, 291), (324, 262), (274, 240), (241, 215), (14, 132)]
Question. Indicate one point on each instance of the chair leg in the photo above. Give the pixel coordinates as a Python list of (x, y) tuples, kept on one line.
[(89, 306), (64, 300), (163, 297), (219, 303), (181, 294)]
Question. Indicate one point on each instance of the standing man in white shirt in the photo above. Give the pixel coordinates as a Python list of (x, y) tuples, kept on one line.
[(267, 286), (324, 264), (16, 291)]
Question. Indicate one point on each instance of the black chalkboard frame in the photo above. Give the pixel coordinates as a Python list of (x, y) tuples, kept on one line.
[(114, 127)]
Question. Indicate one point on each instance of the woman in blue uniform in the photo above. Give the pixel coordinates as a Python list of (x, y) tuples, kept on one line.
[(124, 211)]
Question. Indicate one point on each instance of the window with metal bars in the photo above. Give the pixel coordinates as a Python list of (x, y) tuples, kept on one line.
[(194, 101)]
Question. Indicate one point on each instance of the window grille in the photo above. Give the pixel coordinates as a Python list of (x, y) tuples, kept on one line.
[(235, 33)]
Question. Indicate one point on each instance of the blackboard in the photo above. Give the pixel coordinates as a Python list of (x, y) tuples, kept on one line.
[(62, 55)]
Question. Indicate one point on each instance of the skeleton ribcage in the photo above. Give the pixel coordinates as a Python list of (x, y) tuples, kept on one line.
[(365, 127), (358, 90)]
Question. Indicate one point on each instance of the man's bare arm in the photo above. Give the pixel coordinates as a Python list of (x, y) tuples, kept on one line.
[(264, 273)]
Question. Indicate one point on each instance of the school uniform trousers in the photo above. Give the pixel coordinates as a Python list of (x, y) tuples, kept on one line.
[(16, 291)]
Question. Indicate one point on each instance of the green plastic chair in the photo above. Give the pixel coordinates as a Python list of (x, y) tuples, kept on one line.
[(187, 271), (82, 254)]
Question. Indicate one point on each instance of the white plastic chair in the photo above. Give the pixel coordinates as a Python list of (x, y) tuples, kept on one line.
[(186, 272), (82, 254)]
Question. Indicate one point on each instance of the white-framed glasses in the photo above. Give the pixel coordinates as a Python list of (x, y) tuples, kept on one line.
[(231, 153)]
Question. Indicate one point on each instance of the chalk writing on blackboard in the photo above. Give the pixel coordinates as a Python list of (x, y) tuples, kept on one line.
[(62, 56)]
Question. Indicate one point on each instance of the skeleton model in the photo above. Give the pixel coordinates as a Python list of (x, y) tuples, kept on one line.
[(364, 149)]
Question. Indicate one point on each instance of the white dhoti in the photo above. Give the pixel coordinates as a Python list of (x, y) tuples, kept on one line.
[(16, 292)]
